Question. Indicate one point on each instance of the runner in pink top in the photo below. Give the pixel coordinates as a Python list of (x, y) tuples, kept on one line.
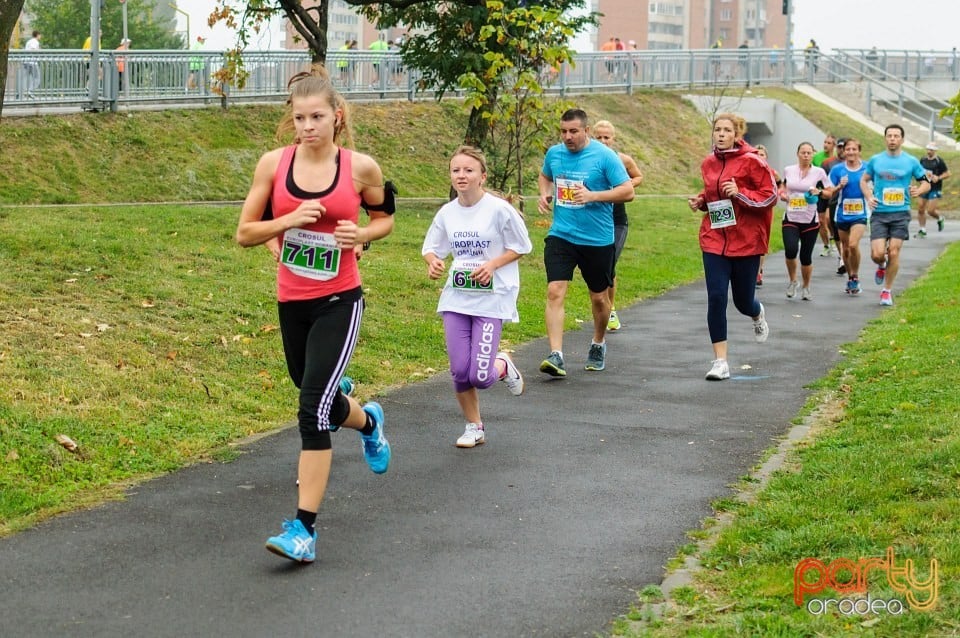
[(314, 190)]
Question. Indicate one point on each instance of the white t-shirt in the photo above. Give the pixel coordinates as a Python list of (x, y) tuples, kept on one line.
[(473, 235), (33, 44)]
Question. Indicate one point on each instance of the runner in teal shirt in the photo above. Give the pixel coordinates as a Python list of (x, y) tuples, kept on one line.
[(887, 185)]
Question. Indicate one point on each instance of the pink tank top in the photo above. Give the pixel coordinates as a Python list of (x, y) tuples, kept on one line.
[(311, 265)]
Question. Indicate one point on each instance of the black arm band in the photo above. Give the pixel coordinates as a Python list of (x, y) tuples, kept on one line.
[(389, 205)]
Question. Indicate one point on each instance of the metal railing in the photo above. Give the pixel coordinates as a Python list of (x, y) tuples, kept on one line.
[(897, 93), (49, 79)]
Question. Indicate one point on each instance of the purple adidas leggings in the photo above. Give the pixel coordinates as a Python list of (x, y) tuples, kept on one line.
[(472, 345)]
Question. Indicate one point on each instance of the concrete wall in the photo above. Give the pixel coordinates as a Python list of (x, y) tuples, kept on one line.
[(769, 122)]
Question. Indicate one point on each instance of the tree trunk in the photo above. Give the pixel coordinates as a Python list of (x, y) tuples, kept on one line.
[(9, 14), (313, 29)]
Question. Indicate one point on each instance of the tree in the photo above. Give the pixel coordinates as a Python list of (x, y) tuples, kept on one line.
[(310, 23), (953, 111), (524, 50), (65, 24), (9, 14), (455, 28)]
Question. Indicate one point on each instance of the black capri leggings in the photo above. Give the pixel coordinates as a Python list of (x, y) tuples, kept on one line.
[(319, 336), (800, 238)]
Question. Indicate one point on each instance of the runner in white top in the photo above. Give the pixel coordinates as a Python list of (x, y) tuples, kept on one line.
[(486, 236)]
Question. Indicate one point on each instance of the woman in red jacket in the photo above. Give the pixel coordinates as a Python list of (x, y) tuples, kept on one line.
[(739, 195)]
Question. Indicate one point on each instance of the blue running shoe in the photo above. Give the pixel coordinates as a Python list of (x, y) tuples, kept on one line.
[(881, 274), (294, 543), (376, 449), (347, 386)]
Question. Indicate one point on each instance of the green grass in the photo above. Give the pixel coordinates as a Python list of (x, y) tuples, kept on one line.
[(882, 472), (150, 338)]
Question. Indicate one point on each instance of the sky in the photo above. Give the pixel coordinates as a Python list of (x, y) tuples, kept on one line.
[(886, 24), (220, 38), (834, 24)]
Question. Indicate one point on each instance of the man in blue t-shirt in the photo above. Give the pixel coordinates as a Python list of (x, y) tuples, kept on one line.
[(887, 185), (580, 180)]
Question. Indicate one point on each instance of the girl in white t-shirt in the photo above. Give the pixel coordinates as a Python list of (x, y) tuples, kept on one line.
[(485, 236)]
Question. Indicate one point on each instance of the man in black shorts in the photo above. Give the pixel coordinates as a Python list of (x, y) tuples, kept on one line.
[(937, 171), (580, 180)]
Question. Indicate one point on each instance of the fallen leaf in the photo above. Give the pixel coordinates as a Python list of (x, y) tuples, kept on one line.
[(223, 340), (67, 442), (237, 338), (120, 364), (146, 304), (13, 455), (86, 335), (103, 327), (268, 328), (70, 281), (386, 364), (172, 355)]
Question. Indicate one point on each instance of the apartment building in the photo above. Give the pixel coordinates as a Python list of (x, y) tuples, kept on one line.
[(692, 24), (650, 24)]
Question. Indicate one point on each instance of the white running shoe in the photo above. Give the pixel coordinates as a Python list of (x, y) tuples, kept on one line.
[(792, 289), (806, 295), (760, 328), (719, 371), (472, 436), (513, 379)]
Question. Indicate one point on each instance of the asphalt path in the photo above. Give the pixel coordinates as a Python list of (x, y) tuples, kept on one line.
[(585, 488)]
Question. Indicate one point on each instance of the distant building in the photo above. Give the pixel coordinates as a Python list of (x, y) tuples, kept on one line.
[(693, 24), (665, 24)]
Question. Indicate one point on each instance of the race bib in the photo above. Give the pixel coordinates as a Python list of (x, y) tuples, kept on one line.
[(460, 278), (797, 204), (853, 208), (893, 197), (721, 214), (565, 192), (310, 254)]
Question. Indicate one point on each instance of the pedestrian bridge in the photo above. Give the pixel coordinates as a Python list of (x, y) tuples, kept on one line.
[(916, 84)]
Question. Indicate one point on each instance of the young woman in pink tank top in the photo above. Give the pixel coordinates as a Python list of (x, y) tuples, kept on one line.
[(304, 205)]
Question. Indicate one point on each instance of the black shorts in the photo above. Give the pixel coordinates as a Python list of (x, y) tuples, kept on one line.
[(846, 226), (561, 257)]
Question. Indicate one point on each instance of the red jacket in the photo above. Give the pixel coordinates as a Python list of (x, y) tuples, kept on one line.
[(753, 205)]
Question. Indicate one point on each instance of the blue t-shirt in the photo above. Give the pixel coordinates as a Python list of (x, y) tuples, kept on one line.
[(892, 176), (851, 204), (598, 168)]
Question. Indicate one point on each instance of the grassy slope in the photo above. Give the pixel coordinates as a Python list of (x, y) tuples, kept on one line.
[(209, 154)]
